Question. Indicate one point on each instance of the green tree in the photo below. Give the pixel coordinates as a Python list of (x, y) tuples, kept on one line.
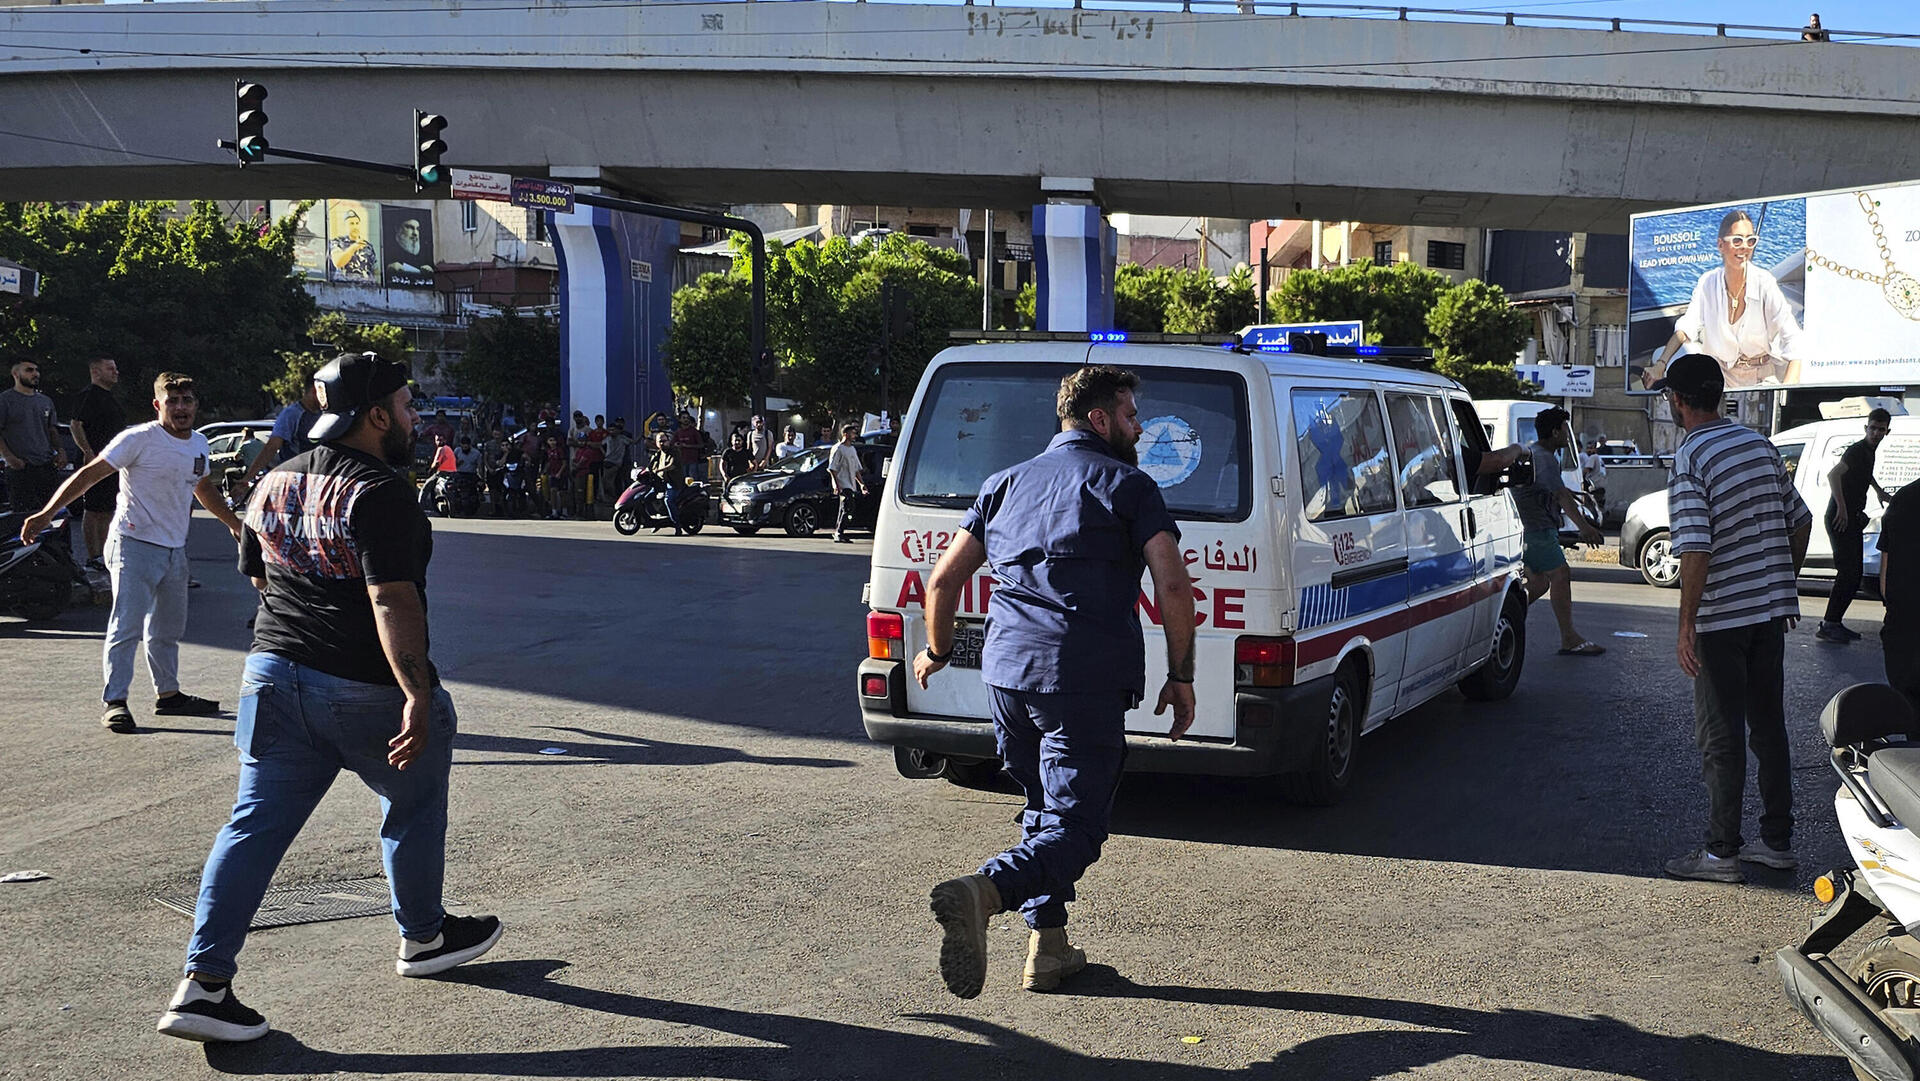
[(1141, 296), (1199, 303), (511, 359), (1475, 336), (824, 321), (1392, 300), (339, 336), (707, 349), (157, 291)]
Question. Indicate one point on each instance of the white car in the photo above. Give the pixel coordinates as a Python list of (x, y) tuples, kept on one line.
[(1645, 541)]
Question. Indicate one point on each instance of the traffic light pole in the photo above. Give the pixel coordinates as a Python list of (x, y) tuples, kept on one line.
[(329, 159), (759, 359)]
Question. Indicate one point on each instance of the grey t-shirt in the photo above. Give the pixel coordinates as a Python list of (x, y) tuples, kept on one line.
[(24, 419), (1539, 502)]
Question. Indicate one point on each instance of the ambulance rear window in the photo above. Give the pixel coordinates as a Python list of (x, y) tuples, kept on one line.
[(978, 419)]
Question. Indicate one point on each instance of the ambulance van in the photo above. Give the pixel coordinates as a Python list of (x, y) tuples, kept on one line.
[(1345, 568)]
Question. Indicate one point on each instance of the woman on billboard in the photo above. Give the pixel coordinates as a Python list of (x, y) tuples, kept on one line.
[(1738, 316)]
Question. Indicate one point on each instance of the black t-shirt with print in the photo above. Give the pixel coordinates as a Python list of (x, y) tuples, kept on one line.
[(321, 527)]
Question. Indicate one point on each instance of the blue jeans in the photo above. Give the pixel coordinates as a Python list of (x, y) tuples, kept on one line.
[(297, 729), (1066, 750), (673, 505), (150, 603)]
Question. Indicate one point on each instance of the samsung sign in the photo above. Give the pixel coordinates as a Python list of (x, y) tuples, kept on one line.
[(1555, 381)]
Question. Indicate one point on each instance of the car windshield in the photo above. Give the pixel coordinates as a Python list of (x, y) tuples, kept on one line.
[(802, 462), (977, 419)]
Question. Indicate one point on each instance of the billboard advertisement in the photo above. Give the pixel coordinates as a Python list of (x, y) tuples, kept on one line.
[(409, 246), (309, 236), (1820, 289), (353, 242)]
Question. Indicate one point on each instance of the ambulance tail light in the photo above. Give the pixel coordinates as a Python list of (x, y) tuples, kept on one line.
[(1264, 662), (886, 636)]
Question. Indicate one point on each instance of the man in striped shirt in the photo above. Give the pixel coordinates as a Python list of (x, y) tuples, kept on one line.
[(1740, 530)]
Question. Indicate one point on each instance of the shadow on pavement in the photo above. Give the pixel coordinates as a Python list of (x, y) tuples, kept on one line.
[(795, 1047), (612, 748)]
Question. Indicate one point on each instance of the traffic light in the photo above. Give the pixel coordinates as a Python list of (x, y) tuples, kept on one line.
[(249, 123), (427, 148)]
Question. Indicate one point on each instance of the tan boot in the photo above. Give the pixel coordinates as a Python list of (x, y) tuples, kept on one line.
[(1050, 959), (963, 906)]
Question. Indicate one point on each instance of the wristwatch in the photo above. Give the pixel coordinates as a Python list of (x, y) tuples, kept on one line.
[(939, 658)]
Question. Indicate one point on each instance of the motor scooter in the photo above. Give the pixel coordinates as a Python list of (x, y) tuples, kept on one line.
[(1869, 1010), (644, 503), (36, 578)]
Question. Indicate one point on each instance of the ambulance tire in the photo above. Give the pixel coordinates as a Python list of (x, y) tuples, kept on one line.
[(973, 773), (1497, 678), (918, 765), (1330, 768)]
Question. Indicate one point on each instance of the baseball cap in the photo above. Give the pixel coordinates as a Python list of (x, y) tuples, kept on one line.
[(1692, 373), (349, 383)]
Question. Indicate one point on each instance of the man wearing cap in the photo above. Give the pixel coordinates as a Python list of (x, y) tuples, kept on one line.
[(163, 467), (338, 678), (1740, 530)]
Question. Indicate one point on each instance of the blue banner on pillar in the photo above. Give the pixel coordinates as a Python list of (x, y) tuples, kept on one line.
[(616, 299), (1073, 253)]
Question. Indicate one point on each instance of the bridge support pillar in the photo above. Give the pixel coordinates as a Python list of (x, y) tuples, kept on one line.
[(1073, 255), (616, 300)]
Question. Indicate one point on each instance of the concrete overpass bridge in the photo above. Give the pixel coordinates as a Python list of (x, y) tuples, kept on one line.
[(1240, 110), (1231, 108)]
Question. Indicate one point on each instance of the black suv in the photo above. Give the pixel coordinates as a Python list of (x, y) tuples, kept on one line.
[(797, 495)]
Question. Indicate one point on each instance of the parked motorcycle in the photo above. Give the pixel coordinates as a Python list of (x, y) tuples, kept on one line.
[(1869, 1010), (456, 495), (36, 579), (644, 503)]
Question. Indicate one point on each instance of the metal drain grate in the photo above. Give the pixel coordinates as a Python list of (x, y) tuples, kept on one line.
[(316, 902)]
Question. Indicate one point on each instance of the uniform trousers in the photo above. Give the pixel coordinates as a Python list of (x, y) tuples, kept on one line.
[(1066, 751)]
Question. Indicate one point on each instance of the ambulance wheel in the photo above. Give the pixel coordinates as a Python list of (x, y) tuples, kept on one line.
[(918, 765), (1497, 678), (972, 772), (627, 521), (1330, 768)]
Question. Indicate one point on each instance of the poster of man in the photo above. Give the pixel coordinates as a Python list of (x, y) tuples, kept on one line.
[(1806, 290), (353, 242), (409, 246), (309, 236)]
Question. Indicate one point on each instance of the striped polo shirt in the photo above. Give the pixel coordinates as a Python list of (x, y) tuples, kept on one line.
[(1732, 497)]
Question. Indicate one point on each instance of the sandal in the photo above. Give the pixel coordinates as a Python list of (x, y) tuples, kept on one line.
[(1584, 649)]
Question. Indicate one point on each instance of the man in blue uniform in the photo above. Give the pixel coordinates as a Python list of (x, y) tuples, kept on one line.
[(1067, 534)]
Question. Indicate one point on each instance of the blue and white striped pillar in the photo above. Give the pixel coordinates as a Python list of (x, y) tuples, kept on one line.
[(616, 300), (1073, 255)]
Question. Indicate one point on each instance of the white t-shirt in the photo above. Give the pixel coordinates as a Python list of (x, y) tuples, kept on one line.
[(157, 476)]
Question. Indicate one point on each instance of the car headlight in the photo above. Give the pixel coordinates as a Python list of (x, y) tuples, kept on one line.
[(773, 485)]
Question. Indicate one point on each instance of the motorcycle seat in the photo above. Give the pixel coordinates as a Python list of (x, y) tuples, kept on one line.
[(1895, 773), (1865, 712)]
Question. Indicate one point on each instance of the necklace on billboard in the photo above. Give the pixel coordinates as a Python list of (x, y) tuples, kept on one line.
[(1901, 289)]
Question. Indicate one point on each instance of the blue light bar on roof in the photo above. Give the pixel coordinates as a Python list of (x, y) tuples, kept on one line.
[(1107, 336), (1367, 350)]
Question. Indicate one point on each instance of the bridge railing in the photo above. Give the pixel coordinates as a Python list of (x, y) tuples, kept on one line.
[(1471, 15)]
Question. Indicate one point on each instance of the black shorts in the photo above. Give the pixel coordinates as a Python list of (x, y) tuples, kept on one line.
[(101, 497)]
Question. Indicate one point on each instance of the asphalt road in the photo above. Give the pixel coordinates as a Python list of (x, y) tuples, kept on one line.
[(722, 878)]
